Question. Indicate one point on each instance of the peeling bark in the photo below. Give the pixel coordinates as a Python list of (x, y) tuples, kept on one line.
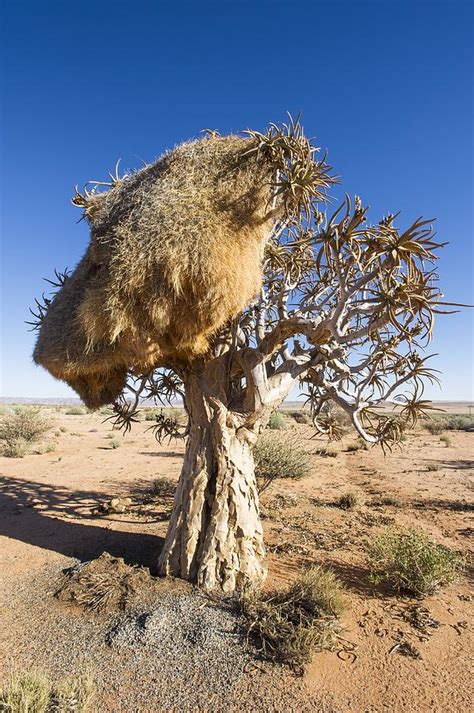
[(215, 536)]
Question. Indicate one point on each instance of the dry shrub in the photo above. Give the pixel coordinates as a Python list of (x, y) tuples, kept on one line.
[(22, 428), (162, 488), (105, 584), (348, 501), (279, 457), (75, 411), (444, 438), (359, 445), (288, 626), (32, 692), (452, 422), (435, 427), (302, 417), (409, 561)]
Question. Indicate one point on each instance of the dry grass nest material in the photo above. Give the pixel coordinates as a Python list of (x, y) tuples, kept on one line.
[(107, 584), (288, 626)]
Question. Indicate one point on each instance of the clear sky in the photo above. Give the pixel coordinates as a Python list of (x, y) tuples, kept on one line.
[(384, 85)]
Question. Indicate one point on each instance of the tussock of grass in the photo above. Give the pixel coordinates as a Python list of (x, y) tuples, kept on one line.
[(277, 422), (32, 692), (409, 561), (348, 501), (290, 625), (444, 438), (358, 445), (279, 457), (115, 443), (432, 467)]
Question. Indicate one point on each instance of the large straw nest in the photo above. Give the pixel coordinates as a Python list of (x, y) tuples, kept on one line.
[(175, 253)]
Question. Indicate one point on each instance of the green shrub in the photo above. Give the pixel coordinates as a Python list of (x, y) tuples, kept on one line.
[(348, 501), (457, 422), (32, 692), (279, 457), (435, 426), (288, 626), (409, 561), (277, 421)]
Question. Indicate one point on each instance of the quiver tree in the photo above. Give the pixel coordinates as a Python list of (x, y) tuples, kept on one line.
[(342, 309)]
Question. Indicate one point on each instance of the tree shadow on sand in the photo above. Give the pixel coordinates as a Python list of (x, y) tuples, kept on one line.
[(21, 519)]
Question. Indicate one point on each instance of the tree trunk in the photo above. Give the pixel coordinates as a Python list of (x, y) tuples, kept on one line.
[(215, 537)]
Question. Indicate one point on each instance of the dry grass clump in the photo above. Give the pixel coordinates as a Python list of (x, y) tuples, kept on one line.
[(277, 422), (105, 584), (279, 457), (348, 501), (409, 561), (21, 429), (359, 445), (289, 626), (162, 488), (33, 692), (444, 438)]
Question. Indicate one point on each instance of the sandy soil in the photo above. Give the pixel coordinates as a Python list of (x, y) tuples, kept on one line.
[(48, 522)]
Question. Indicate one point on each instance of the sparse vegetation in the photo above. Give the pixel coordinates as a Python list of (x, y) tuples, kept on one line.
[(444, 438), (279, 457), (115, 443), (409, 561), (432, 467), (327, 452), (358, 445), (277, 421), (32, 692), (75, 411), (301, 417), (348, 501), (288, 626), (452, 422), (20, 429), (162, 488)]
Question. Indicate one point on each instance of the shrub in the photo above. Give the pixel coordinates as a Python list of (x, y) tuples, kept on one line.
[(359, 445), (457, 422), (432, 467), (348, 501), (75, 411), (288, 626), (18, 430), (302, 417), (115, 443), (445, 439), (278, 457), (409, 561), (435, 426), (326, 452), (162, 488), (32, 692), (277, 421)]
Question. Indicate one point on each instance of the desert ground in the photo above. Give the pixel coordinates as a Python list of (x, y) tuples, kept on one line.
[(51, 519)]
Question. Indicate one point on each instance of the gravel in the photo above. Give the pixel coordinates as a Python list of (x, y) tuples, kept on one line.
[(181, 653)]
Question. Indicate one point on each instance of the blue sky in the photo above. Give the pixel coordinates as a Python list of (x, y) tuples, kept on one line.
[(385, 86)]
